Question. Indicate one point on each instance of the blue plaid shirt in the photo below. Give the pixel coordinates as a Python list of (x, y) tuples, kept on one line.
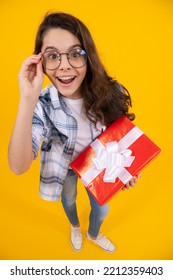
[(54, 131)]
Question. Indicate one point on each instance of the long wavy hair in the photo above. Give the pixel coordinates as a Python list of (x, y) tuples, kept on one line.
[(105, 100)]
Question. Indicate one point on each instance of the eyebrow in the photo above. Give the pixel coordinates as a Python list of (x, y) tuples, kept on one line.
[(53, 48)]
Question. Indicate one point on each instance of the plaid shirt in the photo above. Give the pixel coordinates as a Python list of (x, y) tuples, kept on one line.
[(54, 131)]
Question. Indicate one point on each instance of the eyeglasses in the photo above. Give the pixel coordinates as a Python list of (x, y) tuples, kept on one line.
[(52, 59)]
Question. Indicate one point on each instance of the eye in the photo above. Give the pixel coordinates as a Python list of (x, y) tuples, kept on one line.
[(76, 53), (53, 56)]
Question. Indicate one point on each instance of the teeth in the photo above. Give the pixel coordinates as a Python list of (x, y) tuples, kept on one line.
[(66, 78)]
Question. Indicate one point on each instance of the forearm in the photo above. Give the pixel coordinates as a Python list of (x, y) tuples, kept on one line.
[(20, 152)]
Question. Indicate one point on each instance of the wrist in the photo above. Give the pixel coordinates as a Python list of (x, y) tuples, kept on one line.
[(27, 105)]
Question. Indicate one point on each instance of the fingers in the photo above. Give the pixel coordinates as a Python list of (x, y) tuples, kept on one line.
[(132, 182), (139, 175), (39, 68), (126, 187), (31, 77), (30, 65)]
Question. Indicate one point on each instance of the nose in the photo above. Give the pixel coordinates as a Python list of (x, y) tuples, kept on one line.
[(64, 63)]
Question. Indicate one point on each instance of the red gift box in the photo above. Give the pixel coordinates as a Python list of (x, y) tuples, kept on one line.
[(117, 155)]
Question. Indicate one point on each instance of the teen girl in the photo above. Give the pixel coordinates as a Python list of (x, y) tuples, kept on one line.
[(65, 117)]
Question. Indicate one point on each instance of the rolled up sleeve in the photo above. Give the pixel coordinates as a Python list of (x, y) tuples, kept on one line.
[(38, 130)]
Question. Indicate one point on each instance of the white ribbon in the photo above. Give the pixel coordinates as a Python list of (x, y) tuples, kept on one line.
[(113, 157)]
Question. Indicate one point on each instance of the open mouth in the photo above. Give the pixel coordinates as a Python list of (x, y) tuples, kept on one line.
[(66, 80)]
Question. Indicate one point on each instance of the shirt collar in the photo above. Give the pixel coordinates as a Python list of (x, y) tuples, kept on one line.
[(55, 97), (57, 100)]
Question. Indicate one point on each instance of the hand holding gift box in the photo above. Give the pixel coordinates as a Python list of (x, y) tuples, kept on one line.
[(111, 161)]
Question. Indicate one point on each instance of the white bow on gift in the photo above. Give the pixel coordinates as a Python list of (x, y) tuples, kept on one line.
[(109, 157), (112, 157)]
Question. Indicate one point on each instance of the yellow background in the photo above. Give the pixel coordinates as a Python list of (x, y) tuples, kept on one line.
[(135, 42)]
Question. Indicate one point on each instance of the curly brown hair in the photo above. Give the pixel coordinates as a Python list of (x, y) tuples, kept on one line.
[(105, 99)]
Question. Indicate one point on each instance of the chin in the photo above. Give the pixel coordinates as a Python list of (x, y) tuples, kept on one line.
[(73, 94)]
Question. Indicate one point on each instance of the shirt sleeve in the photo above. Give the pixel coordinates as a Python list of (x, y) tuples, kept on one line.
[(38, 129)]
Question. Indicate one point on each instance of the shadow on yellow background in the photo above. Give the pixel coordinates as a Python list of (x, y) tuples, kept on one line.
[(135, 42)]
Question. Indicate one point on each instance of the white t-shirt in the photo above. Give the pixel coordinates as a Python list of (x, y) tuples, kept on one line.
[(84, 137)]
